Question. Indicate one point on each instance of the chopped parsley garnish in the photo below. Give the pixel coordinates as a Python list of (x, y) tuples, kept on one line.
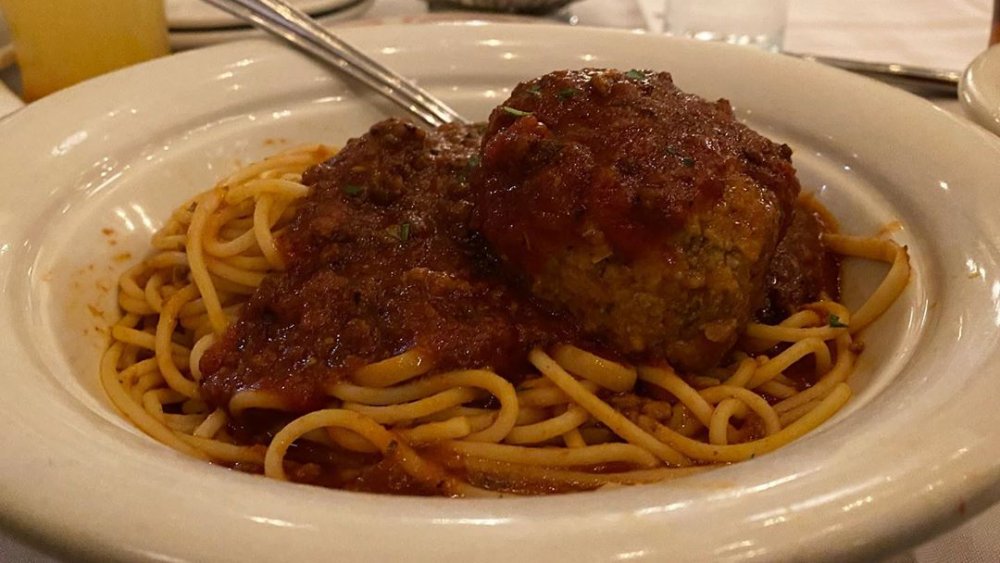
[(352, 189), (400, 232), (635, 74), (514, 111), (685, 159), (834, 321), (567, 93), (535, 90)]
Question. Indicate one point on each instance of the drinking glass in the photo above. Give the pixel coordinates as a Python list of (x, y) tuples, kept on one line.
[(59, 43), (757, 23)]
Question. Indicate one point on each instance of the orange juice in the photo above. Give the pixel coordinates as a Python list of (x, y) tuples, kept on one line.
[(62, 42)]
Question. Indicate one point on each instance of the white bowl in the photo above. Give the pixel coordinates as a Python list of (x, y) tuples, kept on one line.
[(91, 172)]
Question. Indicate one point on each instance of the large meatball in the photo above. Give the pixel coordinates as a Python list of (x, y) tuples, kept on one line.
[(648, 213)]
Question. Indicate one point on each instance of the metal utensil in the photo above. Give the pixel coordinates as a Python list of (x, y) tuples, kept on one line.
[(922, 80), (288, 23)]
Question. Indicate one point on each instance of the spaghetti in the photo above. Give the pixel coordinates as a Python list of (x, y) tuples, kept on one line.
[(580, 421)]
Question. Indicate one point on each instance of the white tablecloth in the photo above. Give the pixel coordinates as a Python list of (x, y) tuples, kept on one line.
[(937, 33)]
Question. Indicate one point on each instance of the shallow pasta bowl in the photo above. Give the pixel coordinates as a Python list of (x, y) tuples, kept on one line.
[(90, 173)]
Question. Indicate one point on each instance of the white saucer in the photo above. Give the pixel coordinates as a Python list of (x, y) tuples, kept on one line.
[(190, 38), (979, 90), (196, 14)]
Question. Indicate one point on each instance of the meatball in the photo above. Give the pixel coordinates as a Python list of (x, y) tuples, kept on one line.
[(649, 214)]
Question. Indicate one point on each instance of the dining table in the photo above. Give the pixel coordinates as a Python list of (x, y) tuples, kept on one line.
[(940, 34)]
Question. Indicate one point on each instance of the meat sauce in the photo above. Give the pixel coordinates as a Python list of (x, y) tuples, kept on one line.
[(381, 259)]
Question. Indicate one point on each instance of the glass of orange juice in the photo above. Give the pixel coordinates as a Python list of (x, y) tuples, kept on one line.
[(59, 43)]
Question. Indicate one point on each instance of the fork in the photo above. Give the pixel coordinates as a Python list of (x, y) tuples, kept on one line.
[(299, 29)]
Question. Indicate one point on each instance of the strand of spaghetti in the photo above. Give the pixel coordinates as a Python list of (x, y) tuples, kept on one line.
[(129, 286), (796, 413), (755, 402), (741, 452), (195, 406), (776, 390), (831, 308), (350, 440), (196, 259), (132, 305), (390, 371), (164, 330), (776, 365), (217, 237), (234, 246), (832, 378), (265, 187), (151, 292), (603, 411), (153, 406), (683, 422), (224, 451), (422, 407), (251, 263), (211, 425), (197, 351), (133, 371), (239, 276), (389, 444), (133, 410), (687, 395), (789, 334), (718, 426), (548, 429), (183, 423), (145, 383), (292, 160), (743, 373), (556, 457), (391, 395), (255, 399), (262, 231), (606, 373), (550, 396), (574, 439), (167, 259), (143, 339), (892, 285), (451, 429)]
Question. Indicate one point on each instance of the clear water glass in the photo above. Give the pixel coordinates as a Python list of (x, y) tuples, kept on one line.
[(756, 23)]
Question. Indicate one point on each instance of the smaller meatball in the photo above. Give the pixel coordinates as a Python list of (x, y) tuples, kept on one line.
[(802, 270), (648, 213)]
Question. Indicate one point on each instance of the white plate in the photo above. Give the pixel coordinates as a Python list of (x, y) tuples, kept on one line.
[(192, 37), (91, 172), (979, 90), (197, 14)]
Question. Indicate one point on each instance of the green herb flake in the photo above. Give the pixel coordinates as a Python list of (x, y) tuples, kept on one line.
[(834, 321), (352, 189), (535, 90), (515, 112), (567, 93), (473, 162), (635, 74), (404, 232), (685, 159)]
